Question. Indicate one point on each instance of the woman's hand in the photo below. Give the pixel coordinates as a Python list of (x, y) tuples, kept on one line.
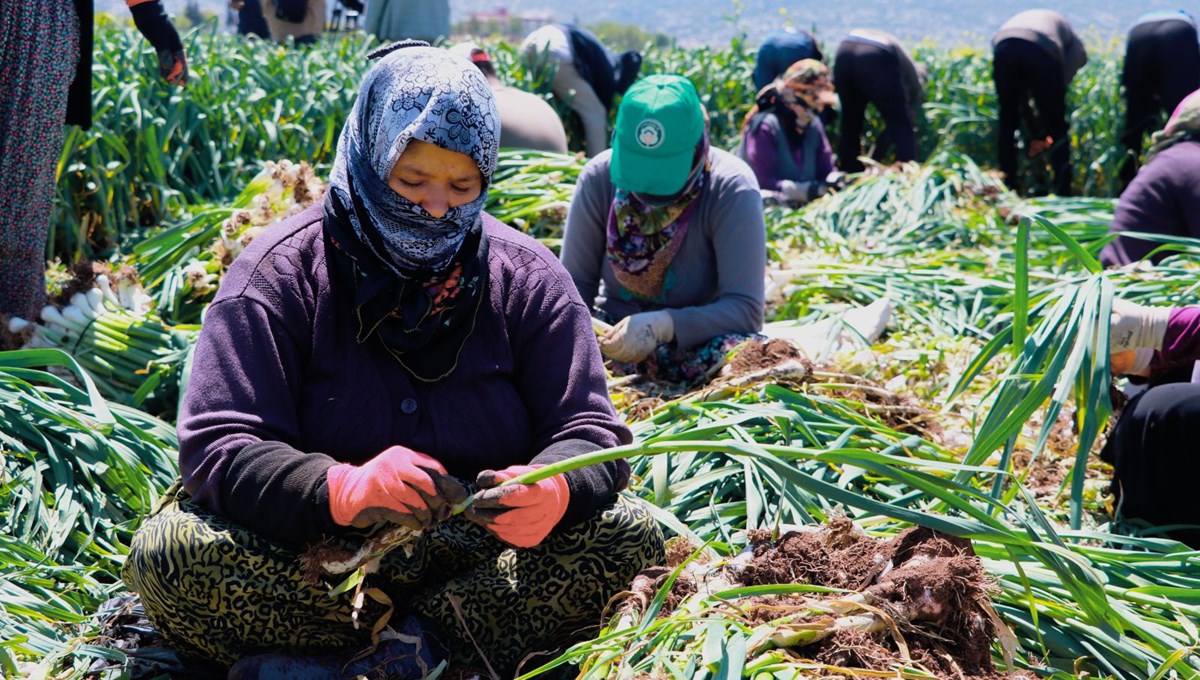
[(1131, 362), (522, 515), (399, 485), (1135, 326), (172, 66), (636, 336)]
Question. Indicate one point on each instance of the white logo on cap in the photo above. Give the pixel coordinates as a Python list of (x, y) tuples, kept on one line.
[(650, 134)]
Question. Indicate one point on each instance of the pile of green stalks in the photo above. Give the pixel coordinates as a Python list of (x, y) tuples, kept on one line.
[(1084, 601), (78, 475)]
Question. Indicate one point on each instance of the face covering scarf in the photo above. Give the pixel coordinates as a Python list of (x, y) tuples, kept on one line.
[(793, 112), (417, 280), (642, 237)]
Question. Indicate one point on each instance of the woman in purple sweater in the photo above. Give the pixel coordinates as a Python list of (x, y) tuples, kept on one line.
[(1164, 197), (1152, 447), (783, 139), (370, 362)]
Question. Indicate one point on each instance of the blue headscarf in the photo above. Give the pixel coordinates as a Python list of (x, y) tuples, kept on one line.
[(416, 281), (421, 93)]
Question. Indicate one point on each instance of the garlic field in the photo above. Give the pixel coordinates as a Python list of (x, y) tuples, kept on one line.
[(927, 502)]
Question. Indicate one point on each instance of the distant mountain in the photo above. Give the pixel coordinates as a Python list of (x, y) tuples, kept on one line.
[(715, 22)]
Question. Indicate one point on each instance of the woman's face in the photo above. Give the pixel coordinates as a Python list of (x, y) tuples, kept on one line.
[(434, 178)]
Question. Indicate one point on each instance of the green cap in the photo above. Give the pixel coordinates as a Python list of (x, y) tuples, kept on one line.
[(659, 124)]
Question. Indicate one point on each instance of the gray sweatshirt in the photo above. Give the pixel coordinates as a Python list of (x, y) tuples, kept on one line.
[(1051, 32), (714, 285), (527, 121)]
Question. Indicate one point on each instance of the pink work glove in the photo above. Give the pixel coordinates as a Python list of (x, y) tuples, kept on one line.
[(398, 485), (522, 515)]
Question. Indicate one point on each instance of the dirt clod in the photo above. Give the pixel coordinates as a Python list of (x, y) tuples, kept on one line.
[(756, 355), (927, 591)]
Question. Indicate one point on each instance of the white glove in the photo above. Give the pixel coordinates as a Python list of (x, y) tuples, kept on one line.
[(1136, 326), (636, 336), (802, 192)]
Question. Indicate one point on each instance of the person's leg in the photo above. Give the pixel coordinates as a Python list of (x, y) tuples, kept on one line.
[(1139, 77), (1154, 461), (882, 85), (854, 108), (39, 48), (1049, 89), (570, 87), (1009, 95), (219, 592), (515, 602), (251, 20)]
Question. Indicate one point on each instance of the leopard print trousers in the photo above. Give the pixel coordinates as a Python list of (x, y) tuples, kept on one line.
[(218, 592)]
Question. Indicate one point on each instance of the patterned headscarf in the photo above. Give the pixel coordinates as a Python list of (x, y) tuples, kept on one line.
[(417, 281), (793, 113), (642, 237), (421, 93), (1182, 126), (808, 80)]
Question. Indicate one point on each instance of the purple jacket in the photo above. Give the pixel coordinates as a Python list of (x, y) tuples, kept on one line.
[(1164, 198), (280, 390), (762, 155), (1181, 346)]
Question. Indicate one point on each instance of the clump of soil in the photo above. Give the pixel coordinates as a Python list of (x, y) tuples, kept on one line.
[(900, 412), (10, 340), (926, 594), (313, 559), (82, 279), (756, 355), (754, 362), (840, 556)]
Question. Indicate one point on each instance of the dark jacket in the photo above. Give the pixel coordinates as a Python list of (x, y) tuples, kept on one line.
[(1164, 198), (1050, 31), (780, 50), (609, 74), (281, 389)]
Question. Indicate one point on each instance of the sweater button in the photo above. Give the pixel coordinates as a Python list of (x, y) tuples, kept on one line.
[(408, 406)]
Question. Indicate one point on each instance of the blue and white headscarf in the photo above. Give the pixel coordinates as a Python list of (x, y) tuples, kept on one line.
[(421, 93)]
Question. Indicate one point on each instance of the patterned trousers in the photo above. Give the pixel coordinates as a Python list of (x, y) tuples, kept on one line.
[(217, 592), (39, 51)]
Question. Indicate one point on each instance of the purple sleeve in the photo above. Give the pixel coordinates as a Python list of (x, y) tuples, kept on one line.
[(762, 154), (238, 414), (1164, 198), (560, 377), (1181, 344)]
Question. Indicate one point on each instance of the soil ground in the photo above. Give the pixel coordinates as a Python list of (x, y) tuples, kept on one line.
[(929, 587)]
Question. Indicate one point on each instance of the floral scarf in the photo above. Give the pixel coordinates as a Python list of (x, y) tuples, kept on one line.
[(643, 236), (1184, 125), (416, 281)]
